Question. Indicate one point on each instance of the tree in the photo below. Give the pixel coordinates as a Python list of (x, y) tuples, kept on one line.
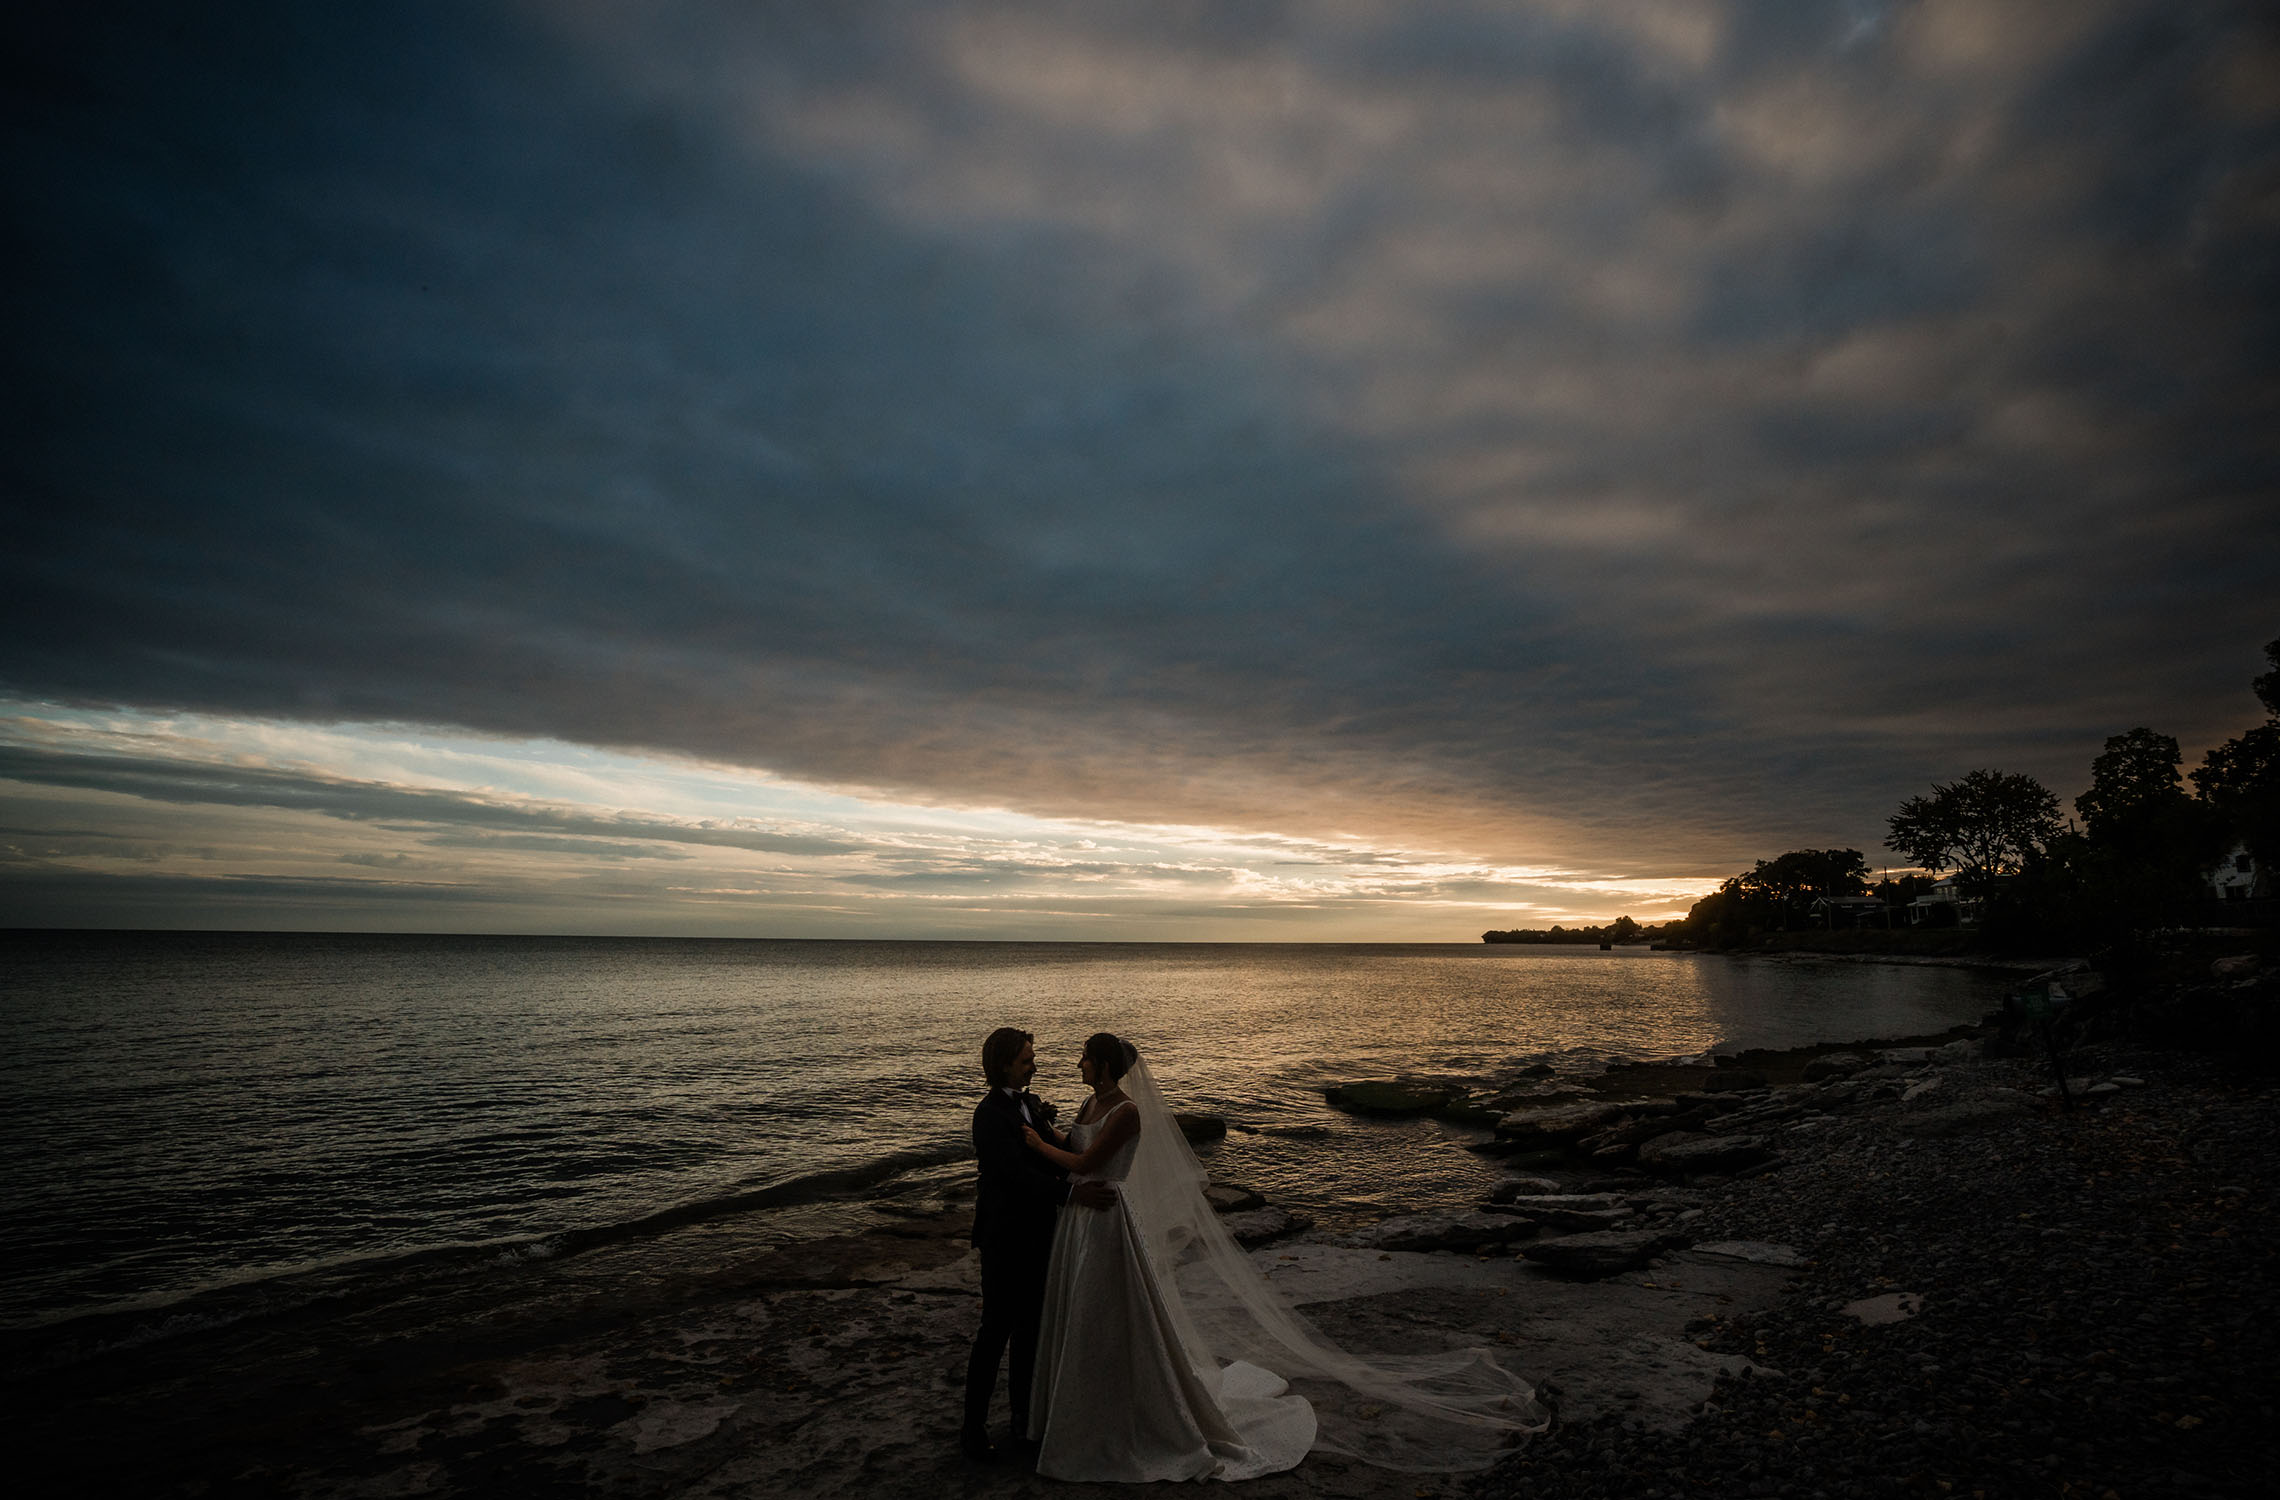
[(1983, 826), (1795, 880), (2134, 782), (2146, 847), (2240, 779)]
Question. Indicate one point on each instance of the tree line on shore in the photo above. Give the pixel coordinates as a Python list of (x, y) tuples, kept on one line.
[(2138, 860)]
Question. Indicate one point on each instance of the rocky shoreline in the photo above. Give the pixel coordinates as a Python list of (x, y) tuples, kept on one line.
[(1889, 1268)]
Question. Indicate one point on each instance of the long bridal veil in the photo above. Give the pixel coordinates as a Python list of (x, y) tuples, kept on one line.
[(1453, 1409)]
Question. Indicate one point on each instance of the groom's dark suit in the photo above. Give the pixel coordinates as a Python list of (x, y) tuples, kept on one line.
[(1020, 1197)]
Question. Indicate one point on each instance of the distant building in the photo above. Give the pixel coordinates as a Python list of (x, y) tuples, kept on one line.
[(1945, 905), (2238, 878), (1834, 912)]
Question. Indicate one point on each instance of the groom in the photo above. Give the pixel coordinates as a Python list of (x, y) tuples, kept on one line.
[(1020, 1197)]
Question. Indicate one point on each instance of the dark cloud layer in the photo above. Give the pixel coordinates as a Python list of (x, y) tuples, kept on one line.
[(1647, 451)]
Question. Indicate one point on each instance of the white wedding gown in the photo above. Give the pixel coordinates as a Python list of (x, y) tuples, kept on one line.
[(1165, 1354), (1120, 1394)]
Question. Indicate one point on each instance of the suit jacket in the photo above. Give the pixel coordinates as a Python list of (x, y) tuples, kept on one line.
[(1021, 1193)]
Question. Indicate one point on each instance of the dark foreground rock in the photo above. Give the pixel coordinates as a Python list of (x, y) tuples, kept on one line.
[(1604, 1252), (1390, 1098), (2036, 1304)]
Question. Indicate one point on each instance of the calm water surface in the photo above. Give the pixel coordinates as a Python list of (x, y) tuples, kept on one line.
[(180, 1112)]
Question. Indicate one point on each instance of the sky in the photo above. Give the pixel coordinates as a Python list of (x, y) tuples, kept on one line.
[(1329, 471)]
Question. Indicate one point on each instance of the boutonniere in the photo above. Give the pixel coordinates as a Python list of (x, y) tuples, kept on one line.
[(1038, 1107)]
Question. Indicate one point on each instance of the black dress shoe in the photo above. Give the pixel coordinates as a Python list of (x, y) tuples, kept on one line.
[(976, 1446)]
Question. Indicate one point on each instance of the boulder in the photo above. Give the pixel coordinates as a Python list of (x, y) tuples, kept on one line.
[(1906, 1057), (1390, 1097), (1601, 1253), (1200, 1128), (1965, 1118), (1734, 1081), (1258, 1226), (1556, 1125), (1962, 1049), (1471, 1230), (1834, 1065), (1702, 1153), (1511, 1188), (1227, 1198)]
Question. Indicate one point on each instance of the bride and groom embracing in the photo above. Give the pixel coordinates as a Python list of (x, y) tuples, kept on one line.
[(1144, 1343)]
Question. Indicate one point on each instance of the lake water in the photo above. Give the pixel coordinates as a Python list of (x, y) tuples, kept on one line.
[(187, 1113)]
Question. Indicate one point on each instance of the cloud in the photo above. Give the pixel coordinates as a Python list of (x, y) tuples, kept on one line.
[(1615, 437)]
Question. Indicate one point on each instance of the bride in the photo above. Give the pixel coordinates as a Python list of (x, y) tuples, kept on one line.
[(1164, 1354)]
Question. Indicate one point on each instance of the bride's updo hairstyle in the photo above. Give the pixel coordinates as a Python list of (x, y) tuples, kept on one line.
[(1111, 1054)]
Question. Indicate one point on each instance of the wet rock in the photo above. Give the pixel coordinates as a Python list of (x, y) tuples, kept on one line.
[(1389, 1097), (1554, 1125), (1834, 1065), (1511, 1188), (1604, 1253), (1703, 1153), (1227, 1198), (1260, 1226), (1201, 1128)]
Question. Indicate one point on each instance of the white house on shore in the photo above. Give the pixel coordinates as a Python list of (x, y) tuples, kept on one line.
[(1944, 905), (2238, 878)]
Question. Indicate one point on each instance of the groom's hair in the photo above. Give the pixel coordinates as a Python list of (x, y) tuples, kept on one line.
[(998, 1053), (1109, 1054)]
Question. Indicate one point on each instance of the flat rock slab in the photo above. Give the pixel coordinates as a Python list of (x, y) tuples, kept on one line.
[(1569, 1218), (1596, 1254), (1703, 1153), (1756, 1252), (1892, 1307)]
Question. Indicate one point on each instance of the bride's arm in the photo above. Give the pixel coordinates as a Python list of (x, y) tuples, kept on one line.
[(1121, 1127)]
